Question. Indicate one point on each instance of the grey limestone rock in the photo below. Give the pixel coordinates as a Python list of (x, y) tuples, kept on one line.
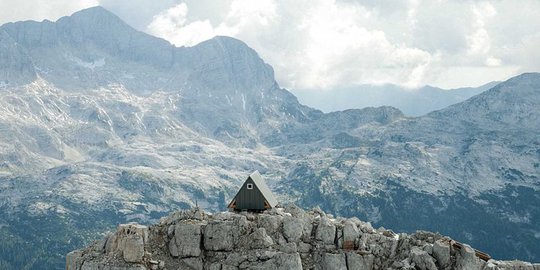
[(186, 241), (133, 249), (332, 261), (350, 234), (194, 263), (359, 262), (467, 260), (285, 261), (259, 239), (270, 223), (441, 252), (129, 241), (422, 260), (326, 231), (241, 241), (288, 248), (293, 228), (218, 236)]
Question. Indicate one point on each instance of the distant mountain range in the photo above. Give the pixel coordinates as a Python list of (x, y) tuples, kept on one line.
[(101, 124), (412, 102)]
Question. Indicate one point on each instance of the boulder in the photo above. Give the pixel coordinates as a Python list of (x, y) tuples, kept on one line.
[(326, 231), (515, 265), (379, 245), (466, 259), (359, 262), (292, 229), (350, 234), (218, 236), (295, 211), (288, 248), (133, 250), (441, 252), (332, 261), (186, 241), (194, 263), (422, 260), (285, 261), (259, 239), (74, 260), (129, 241), (92, 265), (270, 223)]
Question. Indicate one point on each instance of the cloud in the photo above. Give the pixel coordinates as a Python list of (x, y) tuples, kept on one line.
[(323, 44), (337, 43)]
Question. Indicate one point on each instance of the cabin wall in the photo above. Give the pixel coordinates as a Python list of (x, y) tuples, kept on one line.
[(249, 199)]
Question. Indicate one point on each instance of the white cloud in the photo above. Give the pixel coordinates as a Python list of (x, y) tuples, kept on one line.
[(336, 43)]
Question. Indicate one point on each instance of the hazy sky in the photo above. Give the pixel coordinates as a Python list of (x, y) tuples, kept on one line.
[(324, 44)]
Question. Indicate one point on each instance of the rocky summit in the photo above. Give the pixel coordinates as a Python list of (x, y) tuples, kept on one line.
[(281, 238), (101, 124)]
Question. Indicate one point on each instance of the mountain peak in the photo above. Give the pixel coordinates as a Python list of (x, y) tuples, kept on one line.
[(93, 10)]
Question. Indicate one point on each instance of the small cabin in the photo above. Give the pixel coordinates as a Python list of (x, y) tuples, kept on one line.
[(254, 195)]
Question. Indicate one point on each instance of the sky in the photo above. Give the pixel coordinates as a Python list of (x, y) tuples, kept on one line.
[(332, 44)]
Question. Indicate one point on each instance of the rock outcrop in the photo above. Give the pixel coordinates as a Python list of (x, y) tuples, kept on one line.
[(282, 238)]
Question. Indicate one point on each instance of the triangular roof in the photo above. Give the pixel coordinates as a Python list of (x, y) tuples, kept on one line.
[(263, 188)]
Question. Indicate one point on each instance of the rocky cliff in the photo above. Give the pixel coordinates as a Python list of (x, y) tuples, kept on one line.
[(282, 238)]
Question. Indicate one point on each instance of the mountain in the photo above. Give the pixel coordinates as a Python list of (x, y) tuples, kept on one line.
[(413, 102), (280, 238), (101, 124), (470, 170)]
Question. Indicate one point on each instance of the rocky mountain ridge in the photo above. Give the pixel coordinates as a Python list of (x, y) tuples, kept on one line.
[(109, 125), (412, 102), (280, 238)]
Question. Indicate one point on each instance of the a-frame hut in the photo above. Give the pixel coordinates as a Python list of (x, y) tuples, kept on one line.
[(254, 195)]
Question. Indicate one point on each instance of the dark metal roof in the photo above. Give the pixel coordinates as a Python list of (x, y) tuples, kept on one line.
[(261, 185)]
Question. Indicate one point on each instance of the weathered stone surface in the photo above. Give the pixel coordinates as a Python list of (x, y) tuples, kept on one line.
[(303, 247), (91, 265), (186, 241), (293, 228), (334, 261), (379, 245), (241, 241), (219, 236), (270, 223), (133, 249), (284, 261), (191, 263), (350, 235), (422, 260), (73, 260), (359, 262), (515, 265), (441, 252), (295, 211), (467, 260), (129, 241), (326, 231), (288, 248), (259, 239)]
